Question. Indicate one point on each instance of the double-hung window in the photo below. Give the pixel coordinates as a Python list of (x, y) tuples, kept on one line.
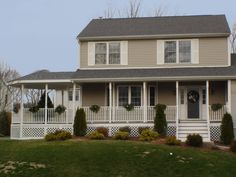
[(129, 95), (107, 53), (177, 51), (70, 95)]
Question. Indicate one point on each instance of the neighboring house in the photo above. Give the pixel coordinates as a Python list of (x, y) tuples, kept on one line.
[(183, 62)]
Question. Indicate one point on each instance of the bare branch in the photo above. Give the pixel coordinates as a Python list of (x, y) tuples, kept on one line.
[(133, 10), (233, 38), (160, 11)]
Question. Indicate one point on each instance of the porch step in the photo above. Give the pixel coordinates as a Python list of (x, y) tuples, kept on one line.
[(189, 127)]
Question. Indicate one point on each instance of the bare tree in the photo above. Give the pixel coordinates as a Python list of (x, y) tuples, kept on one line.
[(7, 94), (233, 38), (160, 11), (133, 9), (110, 12)]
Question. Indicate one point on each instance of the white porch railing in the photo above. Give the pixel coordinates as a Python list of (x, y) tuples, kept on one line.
[(122, 115), (217, 115), (101, 116), (170, 113)]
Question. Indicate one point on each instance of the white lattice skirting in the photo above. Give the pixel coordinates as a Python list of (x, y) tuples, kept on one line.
[(34, 131), (215, 132)]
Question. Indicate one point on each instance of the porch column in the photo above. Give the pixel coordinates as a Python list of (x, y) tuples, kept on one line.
[(207, 108), (144, 101), (73, 101), (46, 104), (229, 97), (110, 102), (21, 110), (113, 102), (177, 109)]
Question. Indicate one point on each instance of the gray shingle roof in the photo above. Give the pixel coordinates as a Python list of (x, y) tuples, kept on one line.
[(131, 74), (170, 25)]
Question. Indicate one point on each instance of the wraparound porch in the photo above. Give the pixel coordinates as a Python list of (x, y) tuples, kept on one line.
[(112, 115)]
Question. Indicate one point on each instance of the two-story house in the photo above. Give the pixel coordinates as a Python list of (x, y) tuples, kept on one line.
[(183, 62)]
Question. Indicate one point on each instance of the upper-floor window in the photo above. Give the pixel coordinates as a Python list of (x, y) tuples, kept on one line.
[(177, 51), (107, 53)]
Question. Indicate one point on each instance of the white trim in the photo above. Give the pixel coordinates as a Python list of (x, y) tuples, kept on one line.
[(110, 102), (229, 51), (154, 36), (229, 97), (166, 65), (207, 108), (177, 109), (144, 101), (21, 109), (173, 78), (73, 100), (46, 104)]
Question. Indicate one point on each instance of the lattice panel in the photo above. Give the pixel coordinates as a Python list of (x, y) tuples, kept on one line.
[(53, 129), (28, 132), (15, 131), (171, 131), (90, 129), (215, 133)]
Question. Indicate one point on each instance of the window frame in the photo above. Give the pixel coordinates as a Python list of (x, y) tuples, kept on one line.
[(129, 93), (177, 52), (76, 95), (107, 52)]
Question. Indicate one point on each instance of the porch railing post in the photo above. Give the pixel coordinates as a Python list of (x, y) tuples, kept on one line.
[(207, 108), (177, 109), (110, 102), (144, 101), (229, 96), (46, 108), (113, 102), (21, 110), (73, 102)]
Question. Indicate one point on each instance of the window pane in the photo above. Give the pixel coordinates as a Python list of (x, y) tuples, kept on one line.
[(100, 53), (114, 53), (170, 52), (152, 96), (184, 51), (136, 96), (123, 96), (70, 95)]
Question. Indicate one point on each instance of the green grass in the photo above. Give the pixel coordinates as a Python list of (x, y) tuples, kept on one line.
[(113, 159)]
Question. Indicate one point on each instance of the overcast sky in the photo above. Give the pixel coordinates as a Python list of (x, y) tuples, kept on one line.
[(41, 34)]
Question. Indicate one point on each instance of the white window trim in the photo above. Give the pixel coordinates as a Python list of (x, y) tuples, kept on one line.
[(76, 91), (129, 93), (177, 52), (107, 52)]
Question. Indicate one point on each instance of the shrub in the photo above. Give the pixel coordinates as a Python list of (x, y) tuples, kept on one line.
[(125, 129), (95, 135), (129, 107), (148, 135), (227, 130), (60, 109), (80, 124), (58, 135), (5, 123), (171, 140), (121, 135), (140, 129), (233, 146), (16, 108), (194, 140), (160, 124), (103, 131)]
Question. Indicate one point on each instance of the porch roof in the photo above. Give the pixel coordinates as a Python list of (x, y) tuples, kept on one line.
[(154, 74)]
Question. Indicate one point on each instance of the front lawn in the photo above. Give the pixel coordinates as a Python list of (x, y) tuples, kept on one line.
[(110, 159)]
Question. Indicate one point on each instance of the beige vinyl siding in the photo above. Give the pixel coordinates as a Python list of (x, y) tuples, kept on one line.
[(233, 102), (213, 51), (93, 94), (143, 53)]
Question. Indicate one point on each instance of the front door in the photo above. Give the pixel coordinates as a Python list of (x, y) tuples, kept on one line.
[(193, 97)]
